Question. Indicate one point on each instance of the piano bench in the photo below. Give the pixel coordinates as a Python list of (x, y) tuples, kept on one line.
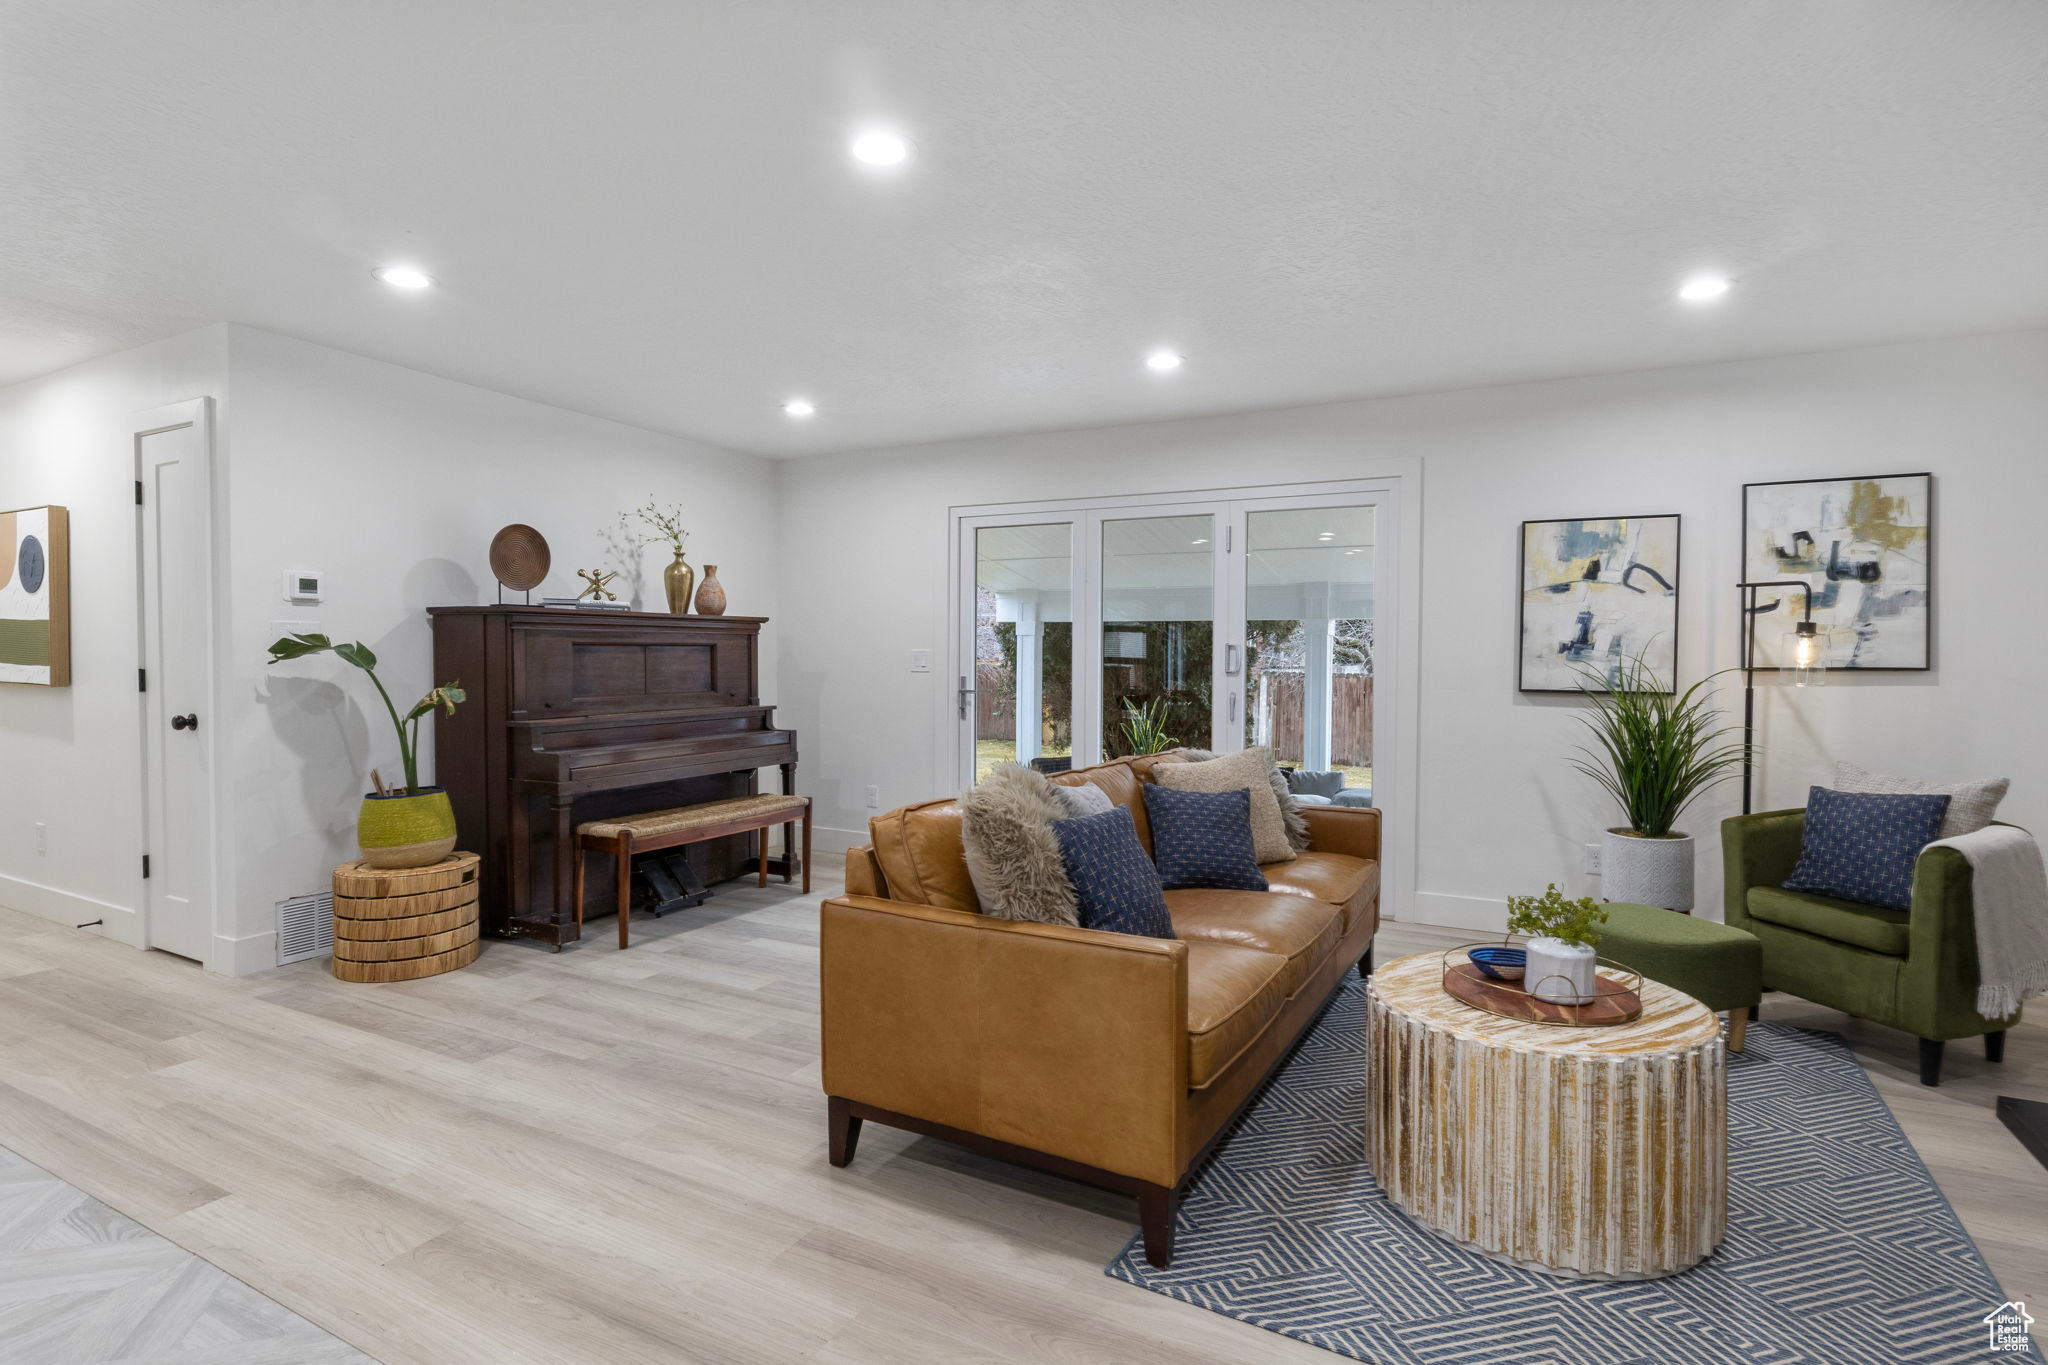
[(672, 828)]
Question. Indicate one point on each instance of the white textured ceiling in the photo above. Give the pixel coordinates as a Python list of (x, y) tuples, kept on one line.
[(644, 210)]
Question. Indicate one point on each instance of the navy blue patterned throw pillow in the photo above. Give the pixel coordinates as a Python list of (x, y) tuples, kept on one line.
[(1114, 882), (1861, 846), (1203, 838)]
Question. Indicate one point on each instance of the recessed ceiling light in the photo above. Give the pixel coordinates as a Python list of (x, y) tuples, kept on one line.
[(800, 407), (1703, 288), (405, 277), (1163, 361), (1203, 541), (879, 148), (1326, 535)]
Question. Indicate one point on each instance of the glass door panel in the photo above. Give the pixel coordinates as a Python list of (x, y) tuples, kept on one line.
[(1158, 598), (1022, 684), (1309, 641)]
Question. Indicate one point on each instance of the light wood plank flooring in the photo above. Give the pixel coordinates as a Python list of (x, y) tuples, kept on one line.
[(82, 1285), (620, 1157)]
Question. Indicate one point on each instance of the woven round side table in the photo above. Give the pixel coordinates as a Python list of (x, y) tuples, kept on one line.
[(1594, 1152)]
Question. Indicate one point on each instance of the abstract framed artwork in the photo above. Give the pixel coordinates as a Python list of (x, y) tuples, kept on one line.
[(1597, 591), (35, 596), (1865, 547)]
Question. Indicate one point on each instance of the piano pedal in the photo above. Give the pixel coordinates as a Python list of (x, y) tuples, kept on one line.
[(668, 882)]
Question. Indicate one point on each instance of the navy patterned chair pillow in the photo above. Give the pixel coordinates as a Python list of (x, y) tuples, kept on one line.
[(1114, 882), (1859, 846), (1203, 839)]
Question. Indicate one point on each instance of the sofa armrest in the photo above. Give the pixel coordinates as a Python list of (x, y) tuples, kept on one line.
[(1756, 850), (1068, 1041), (1344, 829), (864, 872)]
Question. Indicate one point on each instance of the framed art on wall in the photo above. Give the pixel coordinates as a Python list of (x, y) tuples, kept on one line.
[(35, 596), (1865, 546), (1596, 591)]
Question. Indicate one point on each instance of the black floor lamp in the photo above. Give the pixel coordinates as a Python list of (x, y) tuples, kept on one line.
[(1809, 664)]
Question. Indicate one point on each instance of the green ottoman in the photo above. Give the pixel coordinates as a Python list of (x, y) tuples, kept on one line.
[(1720, 967)]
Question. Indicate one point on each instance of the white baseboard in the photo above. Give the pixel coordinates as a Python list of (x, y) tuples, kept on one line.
[(123, 923), (1486, 914), (241, 956), (825, 839)]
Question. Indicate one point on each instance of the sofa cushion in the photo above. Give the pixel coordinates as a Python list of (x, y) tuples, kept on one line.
[(1301, 930), (1115, 884), (1860, 846), (1012, 857), (1971, 805), (1302, 782), (1203, 839), (1249, 771), (1876, 927), (1120, 782), (1233, 994), (1336, 878), (922, 857)]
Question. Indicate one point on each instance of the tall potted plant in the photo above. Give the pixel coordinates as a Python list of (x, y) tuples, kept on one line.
[(1655, 753), (415, 825)]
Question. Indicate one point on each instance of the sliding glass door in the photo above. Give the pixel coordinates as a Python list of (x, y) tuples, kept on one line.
[(1088, 632)]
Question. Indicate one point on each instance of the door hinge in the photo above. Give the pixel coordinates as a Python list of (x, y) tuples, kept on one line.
[(138, 492), (145, 867), (142, 680)]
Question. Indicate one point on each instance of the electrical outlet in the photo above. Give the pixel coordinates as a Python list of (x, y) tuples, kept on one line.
[(1591, 864), (874, 798), (920, 661), (42, 837)]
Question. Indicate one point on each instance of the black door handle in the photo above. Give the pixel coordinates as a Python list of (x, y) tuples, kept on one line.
[(185, 722)]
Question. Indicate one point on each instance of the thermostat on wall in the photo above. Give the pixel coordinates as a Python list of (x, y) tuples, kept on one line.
[(301, 587)]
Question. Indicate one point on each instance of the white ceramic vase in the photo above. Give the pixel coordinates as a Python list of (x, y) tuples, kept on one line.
[(1560, 972), (1644, 871)]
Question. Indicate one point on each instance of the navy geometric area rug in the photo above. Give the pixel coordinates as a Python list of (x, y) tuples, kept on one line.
[(1840, 1248)]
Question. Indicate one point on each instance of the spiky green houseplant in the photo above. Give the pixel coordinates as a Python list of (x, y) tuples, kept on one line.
[(1655, 752), (1143, 728), (414, 825)]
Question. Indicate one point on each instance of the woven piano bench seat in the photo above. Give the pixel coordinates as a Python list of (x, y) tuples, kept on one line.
[(625, 835)]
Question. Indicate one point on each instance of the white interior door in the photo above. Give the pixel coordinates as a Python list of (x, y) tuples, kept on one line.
[(174, 485)]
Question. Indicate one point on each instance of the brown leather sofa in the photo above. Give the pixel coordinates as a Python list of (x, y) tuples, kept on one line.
[(1105, 1057)]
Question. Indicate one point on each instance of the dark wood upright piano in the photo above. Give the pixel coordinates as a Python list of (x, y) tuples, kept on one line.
[(581, 715)]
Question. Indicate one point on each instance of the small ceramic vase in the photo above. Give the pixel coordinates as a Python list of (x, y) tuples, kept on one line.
[(711, 593), (1560, 972), (677, 580)]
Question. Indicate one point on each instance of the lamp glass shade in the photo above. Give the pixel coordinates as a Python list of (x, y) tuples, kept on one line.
[(1806, 655)]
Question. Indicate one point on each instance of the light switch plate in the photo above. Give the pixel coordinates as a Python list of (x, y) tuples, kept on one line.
[(920, 661)]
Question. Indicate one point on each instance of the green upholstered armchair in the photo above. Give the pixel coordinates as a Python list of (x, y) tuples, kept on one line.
[(1914, 970)]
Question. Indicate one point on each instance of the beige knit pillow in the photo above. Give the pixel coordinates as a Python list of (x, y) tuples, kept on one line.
[(1971, 805), (1246, 771)]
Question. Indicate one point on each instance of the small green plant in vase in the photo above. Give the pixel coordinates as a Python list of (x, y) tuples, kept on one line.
[(1562, 935), (666, 524), (413, 826)]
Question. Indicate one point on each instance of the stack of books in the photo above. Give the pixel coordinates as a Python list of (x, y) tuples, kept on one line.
[(578, 604)]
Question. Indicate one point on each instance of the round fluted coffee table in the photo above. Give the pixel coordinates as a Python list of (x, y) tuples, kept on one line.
[(1598, 1152)]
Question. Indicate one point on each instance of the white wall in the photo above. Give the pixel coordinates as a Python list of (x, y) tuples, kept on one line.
[(1498, 812), (391, 484), (70, 756)]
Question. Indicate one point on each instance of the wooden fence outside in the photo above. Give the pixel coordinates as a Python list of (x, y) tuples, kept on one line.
[(1350, 717)]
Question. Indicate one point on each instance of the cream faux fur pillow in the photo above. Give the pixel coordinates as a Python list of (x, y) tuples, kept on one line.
[(1248, 771), (1013, 859)]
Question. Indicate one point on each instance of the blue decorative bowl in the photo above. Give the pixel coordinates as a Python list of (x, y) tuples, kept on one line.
[(1501, 964)]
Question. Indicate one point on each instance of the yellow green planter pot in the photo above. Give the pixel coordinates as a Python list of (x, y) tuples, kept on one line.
[(406, 829)]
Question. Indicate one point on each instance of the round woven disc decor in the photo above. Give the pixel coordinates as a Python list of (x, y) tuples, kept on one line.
[(519, 557)]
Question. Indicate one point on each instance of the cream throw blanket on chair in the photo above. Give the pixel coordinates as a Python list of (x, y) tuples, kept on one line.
[(2010, 892)]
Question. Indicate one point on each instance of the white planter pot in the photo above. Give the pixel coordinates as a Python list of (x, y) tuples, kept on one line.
[(1560, 972), (1647, 871)]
